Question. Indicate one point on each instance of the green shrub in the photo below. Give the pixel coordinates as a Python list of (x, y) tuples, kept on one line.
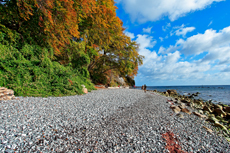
[(31, 72)]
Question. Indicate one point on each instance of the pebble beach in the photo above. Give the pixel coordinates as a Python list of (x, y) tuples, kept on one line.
[(108, 120)]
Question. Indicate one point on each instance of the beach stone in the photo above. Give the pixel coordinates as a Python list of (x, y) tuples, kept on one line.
[(212, 119), (217, 106), (206, 108), (227, 116), (219, 112), (227, 109), (207, 129), (176, 109), (221, 126), (166, 94), (85, 90), (172, 92), (200, 111), (182, 106), (185, 101), (185, 110), (180, 115), (199, 115)]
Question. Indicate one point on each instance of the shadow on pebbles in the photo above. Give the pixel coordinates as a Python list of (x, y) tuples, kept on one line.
[(147, 124)]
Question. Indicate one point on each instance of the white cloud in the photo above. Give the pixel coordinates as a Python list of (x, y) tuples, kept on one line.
[(181, 30), (145, 41), (172, 57), (211, 41), (161, 38), (164, 28), (209, 23), (147, 30), (168, 65), (152, 10), (217, 44), (129, 34)]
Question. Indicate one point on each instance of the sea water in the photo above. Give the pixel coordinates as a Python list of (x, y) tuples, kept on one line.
[(216, 93)]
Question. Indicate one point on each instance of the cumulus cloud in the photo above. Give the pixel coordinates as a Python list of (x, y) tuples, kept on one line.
[(145, 41), (168, 63), (129, 34), (211, 41), (147, 30), (152, 10), (165, 67)]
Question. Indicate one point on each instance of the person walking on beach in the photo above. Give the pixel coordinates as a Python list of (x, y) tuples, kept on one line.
[(145, 88)]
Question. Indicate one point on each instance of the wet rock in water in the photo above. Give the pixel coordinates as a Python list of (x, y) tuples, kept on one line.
[(185, 110), (166, 94), (176, 109), (219, 112), (207, 129), (199, 115), (172, 92)]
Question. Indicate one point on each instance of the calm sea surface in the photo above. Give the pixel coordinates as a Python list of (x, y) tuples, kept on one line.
[(216, 93)]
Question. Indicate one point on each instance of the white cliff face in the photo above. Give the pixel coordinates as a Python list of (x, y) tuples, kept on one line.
[(120, 80)]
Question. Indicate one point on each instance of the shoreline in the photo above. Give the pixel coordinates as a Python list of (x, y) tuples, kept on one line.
[(217, 114), (124, 120)]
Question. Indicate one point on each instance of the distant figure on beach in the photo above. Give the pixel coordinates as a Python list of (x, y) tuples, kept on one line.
[(145, 88), (142, 87)]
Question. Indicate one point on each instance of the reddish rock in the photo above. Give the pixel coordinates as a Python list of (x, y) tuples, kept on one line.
[(172, 143), (85, 90)]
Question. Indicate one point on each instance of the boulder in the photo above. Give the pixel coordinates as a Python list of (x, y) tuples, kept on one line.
[(176, 109)]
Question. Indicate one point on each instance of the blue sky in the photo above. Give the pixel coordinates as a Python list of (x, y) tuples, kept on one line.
[(185, 42)]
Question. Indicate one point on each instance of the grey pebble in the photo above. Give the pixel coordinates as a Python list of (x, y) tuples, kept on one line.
[(118, 120)]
